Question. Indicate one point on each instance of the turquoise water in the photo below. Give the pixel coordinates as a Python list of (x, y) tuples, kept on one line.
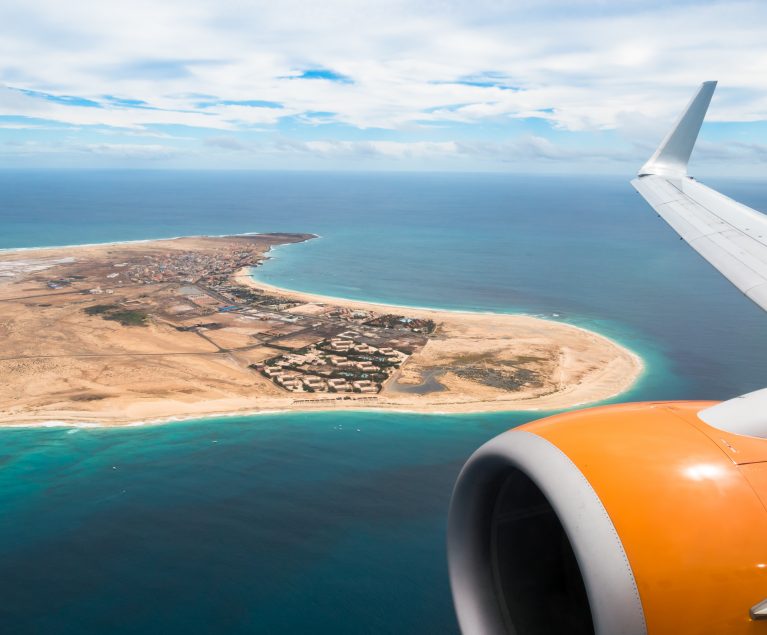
[(323, 522), (329, 523)]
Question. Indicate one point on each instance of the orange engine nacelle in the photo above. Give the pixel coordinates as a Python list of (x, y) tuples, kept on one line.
[(628, 519)]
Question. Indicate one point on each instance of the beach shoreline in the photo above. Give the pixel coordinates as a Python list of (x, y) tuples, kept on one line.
[(247, 276), (138, 241)]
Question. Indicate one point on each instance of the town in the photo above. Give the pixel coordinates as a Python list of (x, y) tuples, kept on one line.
[(301, 347)]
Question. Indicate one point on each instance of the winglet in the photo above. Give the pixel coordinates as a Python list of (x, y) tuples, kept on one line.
[(671, 157)]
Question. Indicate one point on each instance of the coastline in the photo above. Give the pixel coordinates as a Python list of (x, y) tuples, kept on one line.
[(164, 421), (138, 241), (247, 276), (622, 367)]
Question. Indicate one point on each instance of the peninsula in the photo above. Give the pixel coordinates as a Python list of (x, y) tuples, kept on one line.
[(121, 333)]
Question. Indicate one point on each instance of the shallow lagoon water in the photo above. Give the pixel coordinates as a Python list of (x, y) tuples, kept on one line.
[(331, 522)]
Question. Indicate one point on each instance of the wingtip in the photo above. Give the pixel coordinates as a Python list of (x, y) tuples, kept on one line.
[(673, 154)]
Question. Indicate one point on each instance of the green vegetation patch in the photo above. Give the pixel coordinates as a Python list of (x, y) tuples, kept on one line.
[(100, 309), (114, 312), (88, 397), (500, 378)]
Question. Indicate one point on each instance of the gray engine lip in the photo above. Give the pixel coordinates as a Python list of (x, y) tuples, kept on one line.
[(614, 600)]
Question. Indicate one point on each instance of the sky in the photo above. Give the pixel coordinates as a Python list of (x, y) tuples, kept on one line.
[(535, 87)]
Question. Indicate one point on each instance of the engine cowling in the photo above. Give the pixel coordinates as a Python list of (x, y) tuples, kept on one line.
[(629, 519)]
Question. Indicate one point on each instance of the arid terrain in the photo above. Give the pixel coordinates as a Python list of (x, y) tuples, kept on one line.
[(123, 333)]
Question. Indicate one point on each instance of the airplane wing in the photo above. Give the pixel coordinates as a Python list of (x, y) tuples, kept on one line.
[(731, 236)]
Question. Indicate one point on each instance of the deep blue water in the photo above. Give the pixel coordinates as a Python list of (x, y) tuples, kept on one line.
[(331, 523)]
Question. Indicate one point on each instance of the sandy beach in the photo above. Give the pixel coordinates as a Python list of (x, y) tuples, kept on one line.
[(146, 332), (616, 368)]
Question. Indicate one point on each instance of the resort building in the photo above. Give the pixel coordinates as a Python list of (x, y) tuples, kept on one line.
[(339, 385), (365, 386), (315, 383)]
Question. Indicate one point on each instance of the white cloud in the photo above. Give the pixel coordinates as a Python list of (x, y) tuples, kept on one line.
[(413, 64), (225, 143), (130, 150), (520, 150)]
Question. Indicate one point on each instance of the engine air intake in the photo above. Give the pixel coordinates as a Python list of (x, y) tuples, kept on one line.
[(538, 584), (531, 548)]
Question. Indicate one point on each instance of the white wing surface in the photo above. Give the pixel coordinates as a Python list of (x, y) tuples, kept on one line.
[(731, 236)]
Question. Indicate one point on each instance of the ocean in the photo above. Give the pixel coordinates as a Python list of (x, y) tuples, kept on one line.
[(332, 522)]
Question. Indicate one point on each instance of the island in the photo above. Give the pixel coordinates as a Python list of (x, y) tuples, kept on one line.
[(161, 330)]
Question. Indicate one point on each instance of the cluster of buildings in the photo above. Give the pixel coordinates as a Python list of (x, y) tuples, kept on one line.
[(348, 314), (191, 266), (353, 350), (340, 364), (390, 321)]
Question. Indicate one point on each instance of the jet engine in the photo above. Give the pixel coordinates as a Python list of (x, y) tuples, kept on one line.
[(618, 520)]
